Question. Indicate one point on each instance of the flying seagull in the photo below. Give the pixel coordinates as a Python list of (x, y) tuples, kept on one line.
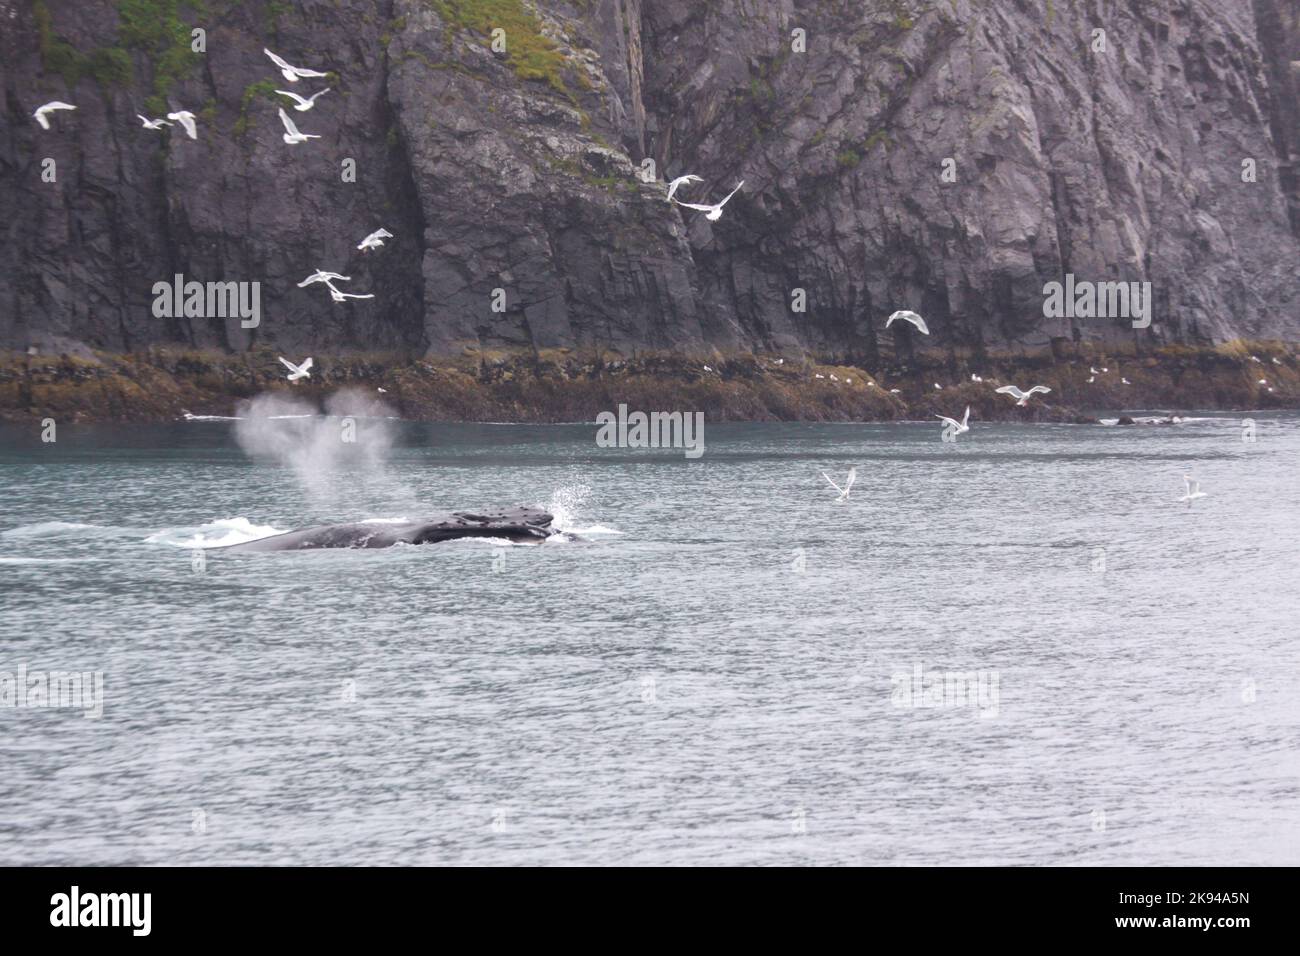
[(297, 371), (909, 317), (291, 73), (672, 186), (1023, 397), (959, 426), (714, 212), (338, 296), (374, 240), (303, 105), (186, 119), (1193, 490), (292, 135), (319, 276), (155, 123), (49, 108), (844, 492)]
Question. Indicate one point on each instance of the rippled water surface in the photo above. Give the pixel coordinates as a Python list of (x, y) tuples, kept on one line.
[(676, 690)]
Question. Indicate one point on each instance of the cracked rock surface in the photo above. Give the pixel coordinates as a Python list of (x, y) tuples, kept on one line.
[(512, 180)]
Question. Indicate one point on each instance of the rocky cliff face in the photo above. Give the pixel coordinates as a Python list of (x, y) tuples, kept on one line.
[(949, 157)]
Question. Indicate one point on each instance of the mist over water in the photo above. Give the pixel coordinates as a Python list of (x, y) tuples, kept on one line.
[(338, 459)]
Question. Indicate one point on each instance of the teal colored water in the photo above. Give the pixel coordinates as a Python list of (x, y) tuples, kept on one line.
[(721, 674)]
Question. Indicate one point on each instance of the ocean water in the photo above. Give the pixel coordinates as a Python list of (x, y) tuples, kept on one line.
[(723, 672)]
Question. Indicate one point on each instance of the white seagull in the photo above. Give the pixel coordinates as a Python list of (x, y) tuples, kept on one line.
[(1093, 370), (1091, 380), (186, 119), (672, 186), (292, 135), (49, 108), (1124, 381), (297, 371), (1022, 398), (1276, 362), (1193, 490), (844, 492), (714, 212), (912, 317), (155, 123), (374, 240), (303, 105), (960, 426), (338, 296), (319, 276), (291, 73), (976, 378)]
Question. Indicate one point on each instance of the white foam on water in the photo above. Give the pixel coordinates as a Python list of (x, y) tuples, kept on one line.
[(213, 534), (44, 528)]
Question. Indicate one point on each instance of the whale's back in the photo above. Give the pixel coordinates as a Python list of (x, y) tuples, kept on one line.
[(514, 524)]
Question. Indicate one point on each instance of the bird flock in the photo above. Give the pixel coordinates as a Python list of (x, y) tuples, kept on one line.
[(293, 136)]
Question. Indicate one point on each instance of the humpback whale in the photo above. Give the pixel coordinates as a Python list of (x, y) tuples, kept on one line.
[(521, 525)]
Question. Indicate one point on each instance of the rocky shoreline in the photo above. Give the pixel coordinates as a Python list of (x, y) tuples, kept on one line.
[(565, 385)]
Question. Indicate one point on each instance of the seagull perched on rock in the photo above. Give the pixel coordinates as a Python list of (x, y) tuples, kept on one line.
[(844, 492), (374, 240), (291, 73), (297, 371), (319, 276), (680, 180), (1022, 398), (1193, 490), (976, 378), (291, 135), (153, 124), (49, 108), (713, 212), (186, 119), (957, 426), (303, 105), (338, 296), (911, 317)]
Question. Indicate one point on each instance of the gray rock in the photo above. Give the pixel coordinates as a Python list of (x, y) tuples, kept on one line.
[(1117, 165)]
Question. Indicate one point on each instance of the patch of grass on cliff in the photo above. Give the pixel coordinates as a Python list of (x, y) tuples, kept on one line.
[(531, 54), (109, 66), (263, 89), (153, 27)]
